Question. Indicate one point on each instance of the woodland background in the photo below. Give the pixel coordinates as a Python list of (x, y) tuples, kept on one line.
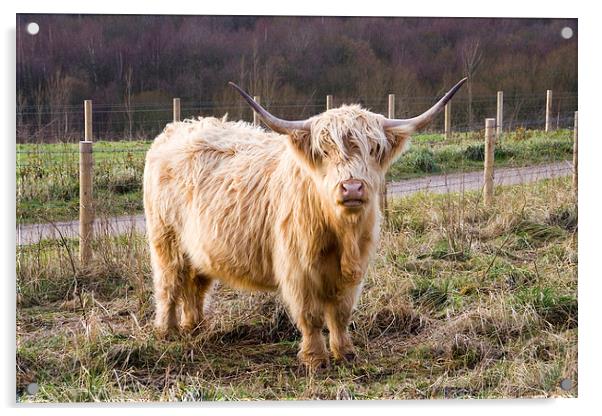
[(132, 67)]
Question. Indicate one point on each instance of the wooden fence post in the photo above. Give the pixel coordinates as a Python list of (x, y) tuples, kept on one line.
[(391, 112), (488, 172), (500, 114), (448, 133), (86, 209), (256, 120), (384, 190), (176, 109), (575, 179), (328, 102), (548, 110)]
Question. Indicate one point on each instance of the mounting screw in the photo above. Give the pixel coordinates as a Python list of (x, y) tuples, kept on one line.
[(566, 384)]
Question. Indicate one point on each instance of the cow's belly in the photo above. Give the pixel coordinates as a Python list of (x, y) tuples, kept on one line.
[(244, 282), (231, 256)]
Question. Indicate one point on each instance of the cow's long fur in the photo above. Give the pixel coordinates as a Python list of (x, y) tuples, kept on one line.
[(258, 210)]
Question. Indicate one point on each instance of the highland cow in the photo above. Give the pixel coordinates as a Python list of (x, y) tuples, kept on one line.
[(294, 210)]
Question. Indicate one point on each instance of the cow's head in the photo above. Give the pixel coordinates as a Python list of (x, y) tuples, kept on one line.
[(348, 150)]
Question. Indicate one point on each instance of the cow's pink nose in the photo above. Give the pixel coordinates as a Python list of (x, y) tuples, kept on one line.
[(352, 189)]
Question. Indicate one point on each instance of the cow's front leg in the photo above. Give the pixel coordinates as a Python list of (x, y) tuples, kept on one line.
[(313, 352), (308, 314), (338, 315)]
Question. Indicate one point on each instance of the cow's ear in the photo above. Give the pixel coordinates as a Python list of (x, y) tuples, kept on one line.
[(301, 144), (399, 142)]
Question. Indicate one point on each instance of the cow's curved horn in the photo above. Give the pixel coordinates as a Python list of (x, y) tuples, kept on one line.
[(410, 125), (273, 122)]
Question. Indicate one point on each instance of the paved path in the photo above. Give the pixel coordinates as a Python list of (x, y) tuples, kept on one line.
[(456, 182)]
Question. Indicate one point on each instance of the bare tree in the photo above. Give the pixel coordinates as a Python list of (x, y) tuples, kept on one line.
[(58, 93), (39, 97), (129, 113), (255, 82), (21, 127), (515, 109), (471, 59), (241, 79), (264, 76)]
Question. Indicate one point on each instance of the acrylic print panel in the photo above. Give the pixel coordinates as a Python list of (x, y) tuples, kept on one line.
[(179, 239)]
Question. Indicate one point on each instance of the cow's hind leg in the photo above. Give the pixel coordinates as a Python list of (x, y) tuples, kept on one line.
[(194, 291), (338, 315), (167, 263)]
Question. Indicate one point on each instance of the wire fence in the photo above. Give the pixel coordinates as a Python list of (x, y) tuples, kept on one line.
[(48, 174), (130, 218), (122, 121)]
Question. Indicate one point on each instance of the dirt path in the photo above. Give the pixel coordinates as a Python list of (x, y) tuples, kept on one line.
[(456, 182)]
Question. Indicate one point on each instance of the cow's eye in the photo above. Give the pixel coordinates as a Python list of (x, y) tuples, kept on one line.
[(376, 149)]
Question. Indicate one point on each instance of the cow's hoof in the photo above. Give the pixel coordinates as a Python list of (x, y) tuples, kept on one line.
[(166, 333), (350, 356), (347, 356), (314, 362), (193, 330), (317, 366)]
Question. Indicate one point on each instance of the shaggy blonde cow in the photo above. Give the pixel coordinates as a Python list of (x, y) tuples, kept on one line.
[(295, 210)]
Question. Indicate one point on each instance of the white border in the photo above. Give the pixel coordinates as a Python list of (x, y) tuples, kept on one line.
[(589, 276)]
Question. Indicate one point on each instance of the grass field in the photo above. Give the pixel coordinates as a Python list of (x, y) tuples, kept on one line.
[(460, 302), (48, 187)]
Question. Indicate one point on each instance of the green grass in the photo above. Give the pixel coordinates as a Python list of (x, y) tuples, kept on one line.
[(460, 301), (430, 154), (48, 180), (48, 186)]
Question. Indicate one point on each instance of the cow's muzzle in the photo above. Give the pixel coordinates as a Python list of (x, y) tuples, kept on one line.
[(352, 193)]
